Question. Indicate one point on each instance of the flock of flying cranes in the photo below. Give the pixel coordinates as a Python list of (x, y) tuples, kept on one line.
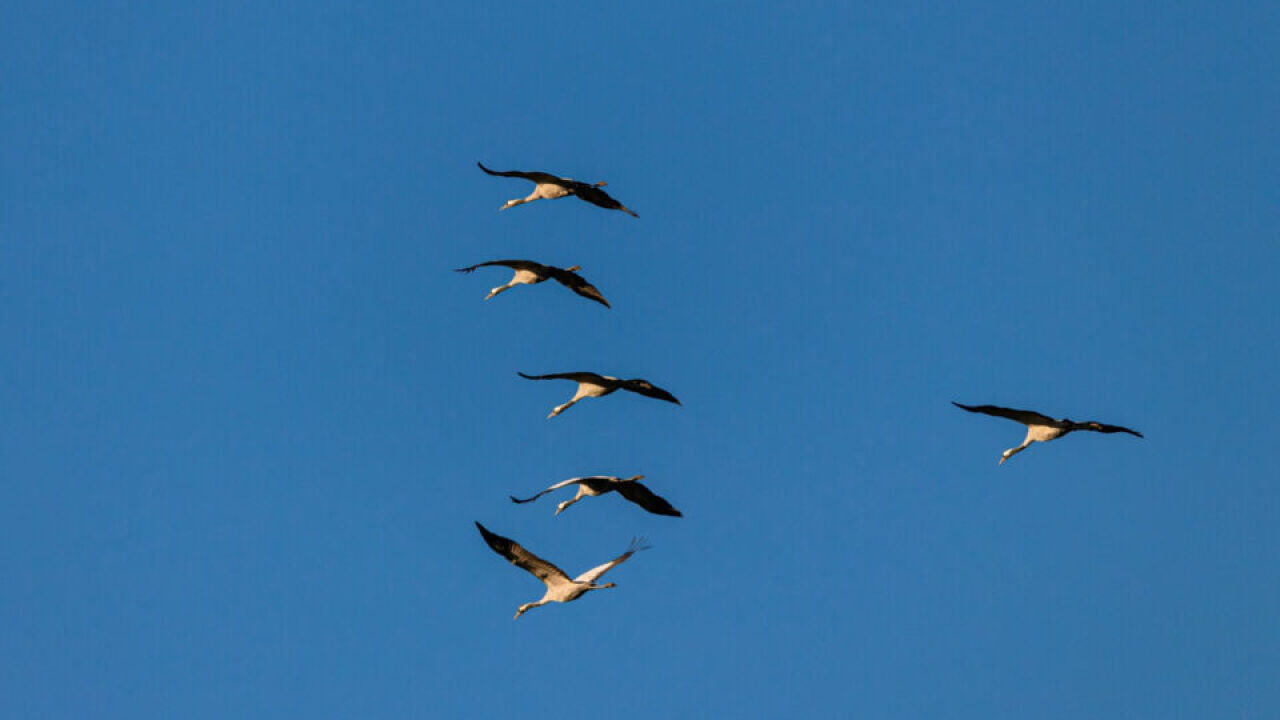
[(560, 587)]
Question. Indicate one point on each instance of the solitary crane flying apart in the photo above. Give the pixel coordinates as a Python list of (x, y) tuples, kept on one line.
[(559, 587), (1039, 427), (550, 187), (593, 385), (594, 485), (529, 272)]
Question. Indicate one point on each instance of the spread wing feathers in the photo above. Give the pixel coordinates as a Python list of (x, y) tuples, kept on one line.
[(575, 376), (576, 283), (1026, 417), (537, 177), (594, 195), (1104, 428), (590, 576), (530, 265), (557, 486), (511, 550), (648, 389), (645, 498)]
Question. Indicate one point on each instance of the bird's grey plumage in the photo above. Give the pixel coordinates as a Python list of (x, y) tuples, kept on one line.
[(1041, 428), (592, 485), (595, 385), (560, 588), (551, 187)]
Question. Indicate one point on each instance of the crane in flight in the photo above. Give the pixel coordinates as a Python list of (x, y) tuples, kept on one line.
[(592, 385), (1041, 428), (550, 187), (594, 485), (529, 272), (559, 587)]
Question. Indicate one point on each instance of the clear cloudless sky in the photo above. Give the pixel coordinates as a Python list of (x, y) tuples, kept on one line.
[(248, 414)]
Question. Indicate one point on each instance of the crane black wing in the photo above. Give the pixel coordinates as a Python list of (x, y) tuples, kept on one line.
[(518, 556), (648, 389), (513, 264), (537, 177), (594, 195), (575, 376), (645, 498), (1026, 417), (1104, 428), (579, 285)]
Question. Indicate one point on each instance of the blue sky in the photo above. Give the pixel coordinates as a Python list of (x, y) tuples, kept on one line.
[(248, 415)]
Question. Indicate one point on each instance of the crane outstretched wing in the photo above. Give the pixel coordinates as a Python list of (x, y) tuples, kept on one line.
[(648, 389), (537, 177), (513, 264), (594, 195), (1104, 428), (590, 576), (557, 486), (1026, 417), (645, 498), (578, 284), (575, 376), (518, 556)]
